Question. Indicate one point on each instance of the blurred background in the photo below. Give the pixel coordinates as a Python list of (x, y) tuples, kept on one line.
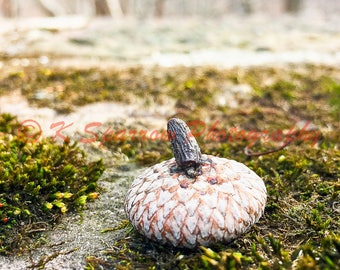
[(225, 33), (165, 8)]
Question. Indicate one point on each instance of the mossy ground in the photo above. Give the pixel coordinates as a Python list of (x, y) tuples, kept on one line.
[(39, 181), (296, 107)]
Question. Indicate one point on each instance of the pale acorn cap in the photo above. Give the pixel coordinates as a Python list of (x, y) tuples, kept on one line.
[(166, 203)]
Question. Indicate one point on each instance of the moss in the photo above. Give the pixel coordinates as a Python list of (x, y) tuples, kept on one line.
[(39, 181), (142, 150), (298, 104), (300, 225), (8, 124)]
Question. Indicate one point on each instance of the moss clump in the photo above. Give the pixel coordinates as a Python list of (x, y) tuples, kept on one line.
[(39, 181), (273, 255), (141, 148)]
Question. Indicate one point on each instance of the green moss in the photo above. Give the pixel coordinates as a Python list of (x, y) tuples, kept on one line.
[(39, 181), (301, 223), (8, 124), (141, 149), (300, 228), (331, 88)]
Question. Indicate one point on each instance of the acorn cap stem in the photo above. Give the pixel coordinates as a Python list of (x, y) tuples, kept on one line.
[(184, 146)]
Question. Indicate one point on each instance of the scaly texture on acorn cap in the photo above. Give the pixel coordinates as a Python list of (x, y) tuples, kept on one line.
[(194, 199)]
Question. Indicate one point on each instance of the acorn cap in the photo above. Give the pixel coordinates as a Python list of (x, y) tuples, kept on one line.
[(194, 200)]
